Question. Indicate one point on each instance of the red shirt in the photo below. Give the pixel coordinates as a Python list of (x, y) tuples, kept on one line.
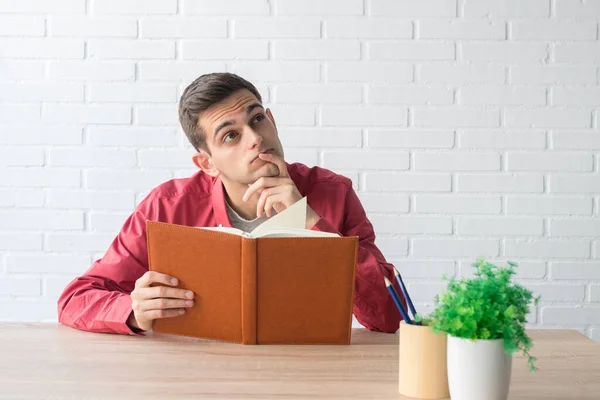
[(99, 300)]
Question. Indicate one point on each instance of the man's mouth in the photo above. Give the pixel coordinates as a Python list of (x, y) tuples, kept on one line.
[(268, 151)]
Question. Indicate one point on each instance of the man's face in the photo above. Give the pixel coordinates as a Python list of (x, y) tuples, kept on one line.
[(236, 131)]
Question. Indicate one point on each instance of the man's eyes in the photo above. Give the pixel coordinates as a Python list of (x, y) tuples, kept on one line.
[(228, 137)]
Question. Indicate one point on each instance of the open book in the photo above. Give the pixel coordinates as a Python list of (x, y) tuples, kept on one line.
[(290, 222), (280, 283)]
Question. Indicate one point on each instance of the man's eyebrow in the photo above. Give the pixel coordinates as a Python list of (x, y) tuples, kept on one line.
[(228, 123)]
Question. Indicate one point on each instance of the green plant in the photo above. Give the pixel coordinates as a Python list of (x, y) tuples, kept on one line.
[(486, 306)]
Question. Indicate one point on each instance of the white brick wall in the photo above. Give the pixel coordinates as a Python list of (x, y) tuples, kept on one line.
[(468, 127)]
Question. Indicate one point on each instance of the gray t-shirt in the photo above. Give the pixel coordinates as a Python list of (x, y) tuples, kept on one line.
[(241, 223)]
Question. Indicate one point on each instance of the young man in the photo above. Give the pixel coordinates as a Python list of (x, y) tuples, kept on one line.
[(243, 180)]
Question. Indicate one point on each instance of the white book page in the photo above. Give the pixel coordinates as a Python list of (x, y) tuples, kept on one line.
[(293, 217)]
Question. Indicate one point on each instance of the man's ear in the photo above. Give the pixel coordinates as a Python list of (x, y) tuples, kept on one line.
[(203, 161), (270, 115)]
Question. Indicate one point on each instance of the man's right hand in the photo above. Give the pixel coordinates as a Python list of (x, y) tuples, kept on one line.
[(155, 297)]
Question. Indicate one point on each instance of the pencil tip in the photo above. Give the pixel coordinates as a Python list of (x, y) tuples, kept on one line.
[(387, 281)]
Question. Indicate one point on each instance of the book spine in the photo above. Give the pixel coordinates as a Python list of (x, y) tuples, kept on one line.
[(249, 291)]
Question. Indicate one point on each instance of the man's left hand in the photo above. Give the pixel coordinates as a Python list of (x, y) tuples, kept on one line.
[(277, 192)]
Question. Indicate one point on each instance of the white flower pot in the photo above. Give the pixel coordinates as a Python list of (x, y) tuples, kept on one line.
[(478, 370)]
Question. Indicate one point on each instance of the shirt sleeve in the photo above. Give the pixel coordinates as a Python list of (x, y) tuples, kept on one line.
[(99, 300), (374, 307)]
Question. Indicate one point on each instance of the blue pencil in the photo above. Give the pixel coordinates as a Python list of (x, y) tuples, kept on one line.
[(392, 291), (405, 292)]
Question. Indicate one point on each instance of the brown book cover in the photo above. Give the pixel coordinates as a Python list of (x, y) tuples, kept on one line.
[(271, 289)]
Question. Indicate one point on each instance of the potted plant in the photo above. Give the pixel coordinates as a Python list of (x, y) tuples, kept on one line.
[(484, 318)]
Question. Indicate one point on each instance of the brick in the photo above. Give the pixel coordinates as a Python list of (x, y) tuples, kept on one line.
[(278, 71), (574, 184), (548, 118), (456, 162), (19, 113), (280, 28), (577, 9), (16, 70), (595, 293), (43, 6), (506, 8), (28, 310), (455, 247), (317, 7), (41, 219), (20, 286), (425, 291), (135, 7), (407, 8), (133, 136), (21, 197), (37, 177), (455, 117), (560, 162), (505, 53), (410, 95), (542, 205), (22, 241), (17, 92), (596, 247), (177, 71), (361, 115), (412, 225), (500, 226), (375, 28), (41, 48), (92, 27), (107, 222), (86, 114), (557, 75), (453, 29), (559, 292), (318, 94), (575, 97), (407, 182), (574, 270), (453, 204), (67, 242), (524, 270), (370, 72), (421, 269), (575, 140), (359, 159), (571, 315), (122, 180), (577, 53), (574, 227), (546, 249), (392, 246), (308, 157), (501, 95), (495, 183), (320, 137), (410, 139), (90, 199), (131, 49), (15, 156), (92, 70), (22, 25), (417, 51), (383, 203), (225, 49), (82, 157), (178, 28), (502, 140), (132, 93), (335, 49), (171, 158), (291, 115), (553, 30), (227, 8), (461, 74), (36, 136), (54, 286)]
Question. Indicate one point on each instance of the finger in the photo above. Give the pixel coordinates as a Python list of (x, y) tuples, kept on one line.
[(164, 304), (272, 201), (264, 195), (156, 314), (157, 292), (278, 161), (262, 183), (155, 277)]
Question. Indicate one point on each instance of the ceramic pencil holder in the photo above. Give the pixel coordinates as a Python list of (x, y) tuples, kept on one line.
[(422, 370)]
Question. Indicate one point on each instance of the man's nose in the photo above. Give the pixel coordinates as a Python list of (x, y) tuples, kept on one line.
[(254, 138)]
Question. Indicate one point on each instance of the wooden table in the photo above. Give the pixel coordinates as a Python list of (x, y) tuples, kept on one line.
[(54, 361)]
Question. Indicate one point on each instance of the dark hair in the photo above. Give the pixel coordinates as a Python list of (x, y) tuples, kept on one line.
[(203, 93)]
